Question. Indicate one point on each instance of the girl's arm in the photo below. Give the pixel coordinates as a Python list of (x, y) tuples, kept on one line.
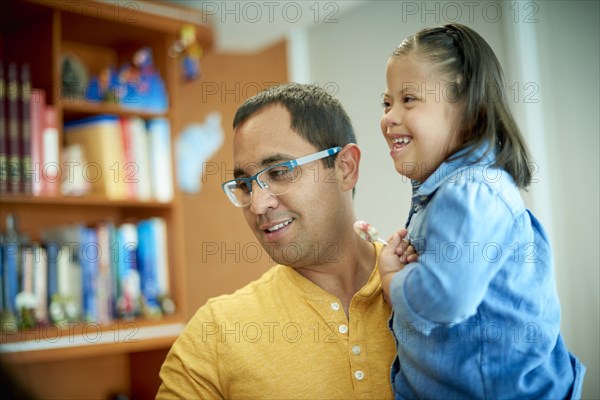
[(469, 229)]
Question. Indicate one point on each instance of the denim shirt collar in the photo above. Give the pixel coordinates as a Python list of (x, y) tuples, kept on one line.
[(449, 169)]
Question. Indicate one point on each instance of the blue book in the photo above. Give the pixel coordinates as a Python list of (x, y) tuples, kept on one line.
[(88, 260), (113, 265), (127, 276), (52, 255), (147, 264), (10, 251)]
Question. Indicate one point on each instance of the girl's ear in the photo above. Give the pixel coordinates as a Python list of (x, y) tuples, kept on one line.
[(347, 161)]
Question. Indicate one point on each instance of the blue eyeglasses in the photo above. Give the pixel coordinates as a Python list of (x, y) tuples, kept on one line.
[(277, 179)]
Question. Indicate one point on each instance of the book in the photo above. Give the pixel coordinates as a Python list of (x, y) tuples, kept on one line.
[(130, 166), (53, 252), (25, 131), (40, 283), (159, 145), (148, 268), (128, 278), (66, 301), (26, 301), (139, 138), (11, 255), (13, 143), (159, 230), (3, 134), (69, 300), (12, 259), (113, 261), (50, 169), (89, 255), (100, 137), (37, 108), (104, 279)]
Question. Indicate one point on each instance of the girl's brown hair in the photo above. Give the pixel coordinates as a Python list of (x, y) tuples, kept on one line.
[(476, 81)]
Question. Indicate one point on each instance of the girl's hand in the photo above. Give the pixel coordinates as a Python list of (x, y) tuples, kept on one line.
[(405, 251), (393, 258)]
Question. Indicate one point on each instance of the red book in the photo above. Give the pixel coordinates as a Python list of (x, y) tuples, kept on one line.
[(37, 108), (130, 168)]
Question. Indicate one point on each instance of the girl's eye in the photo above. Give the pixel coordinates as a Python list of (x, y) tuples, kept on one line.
[(408, 99), (385, 104)]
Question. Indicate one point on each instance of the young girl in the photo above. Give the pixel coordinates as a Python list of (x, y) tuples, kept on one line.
[(477, 314)]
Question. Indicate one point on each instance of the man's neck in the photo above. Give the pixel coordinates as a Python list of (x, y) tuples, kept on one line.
[(347, 271)]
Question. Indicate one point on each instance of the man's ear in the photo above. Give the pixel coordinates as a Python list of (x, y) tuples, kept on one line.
[(347, 161)]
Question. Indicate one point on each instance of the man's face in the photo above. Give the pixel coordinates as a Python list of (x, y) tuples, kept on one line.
[(295, 227)]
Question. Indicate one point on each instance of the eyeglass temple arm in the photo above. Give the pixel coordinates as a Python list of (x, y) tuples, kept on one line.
[(313, 157)]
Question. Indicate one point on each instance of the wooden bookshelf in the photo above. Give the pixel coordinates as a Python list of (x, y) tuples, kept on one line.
[(40, 33)]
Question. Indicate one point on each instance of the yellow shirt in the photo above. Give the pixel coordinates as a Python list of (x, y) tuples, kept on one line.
[(283, 337)]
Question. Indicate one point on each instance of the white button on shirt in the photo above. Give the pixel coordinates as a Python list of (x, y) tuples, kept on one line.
[(335, 306), (359, 375), (343, 329), (356, 349)]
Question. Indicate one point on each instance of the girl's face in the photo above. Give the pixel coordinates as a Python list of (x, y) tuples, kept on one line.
[(420, 117)]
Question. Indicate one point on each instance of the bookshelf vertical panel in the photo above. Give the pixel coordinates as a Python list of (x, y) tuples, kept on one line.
[(178, 265)]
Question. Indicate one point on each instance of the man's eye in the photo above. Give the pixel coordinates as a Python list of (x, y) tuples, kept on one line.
[(279, 173), (243, 186)]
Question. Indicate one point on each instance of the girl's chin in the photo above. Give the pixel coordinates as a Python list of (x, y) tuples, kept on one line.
[(409, 170)]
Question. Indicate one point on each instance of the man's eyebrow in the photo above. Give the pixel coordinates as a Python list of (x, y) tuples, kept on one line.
[(276, 158), (239, 172)]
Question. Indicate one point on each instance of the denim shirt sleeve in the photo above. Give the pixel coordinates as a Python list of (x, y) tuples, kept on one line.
[(468, 229)]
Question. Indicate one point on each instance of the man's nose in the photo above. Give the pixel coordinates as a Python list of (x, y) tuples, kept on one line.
[(262, 199)]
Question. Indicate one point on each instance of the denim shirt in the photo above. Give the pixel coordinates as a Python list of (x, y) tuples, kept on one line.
[(478, 315)]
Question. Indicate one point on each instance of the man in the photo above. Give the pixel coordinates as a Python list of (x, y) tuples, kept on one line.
[(315, 325)]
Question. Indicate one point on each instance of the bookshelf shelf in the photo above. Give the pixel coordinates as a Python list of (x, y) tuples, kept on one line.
[(89, 200), (78, 340), (77, 109)]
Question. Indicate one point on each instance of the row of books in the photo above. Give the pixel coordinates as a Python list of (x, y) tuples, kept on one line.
[(120, 157), (85, 273), (117, 157), (28, 135)]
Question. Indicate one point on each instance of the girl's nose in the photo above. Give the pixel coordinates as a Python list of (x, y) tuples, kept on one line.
[(392, 117)]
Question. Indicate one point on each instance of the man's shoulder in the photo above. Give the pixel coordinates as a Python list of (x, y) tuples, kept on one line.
[(249, 298)]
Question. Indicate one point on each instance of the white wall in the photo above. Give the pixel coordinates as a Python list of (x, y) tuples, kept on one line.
[(348, 57), (568, 34)]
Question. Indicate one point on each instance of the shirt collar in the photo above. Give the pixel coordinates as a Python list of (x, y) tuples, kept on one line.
[(450, 169), (310, 290)]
